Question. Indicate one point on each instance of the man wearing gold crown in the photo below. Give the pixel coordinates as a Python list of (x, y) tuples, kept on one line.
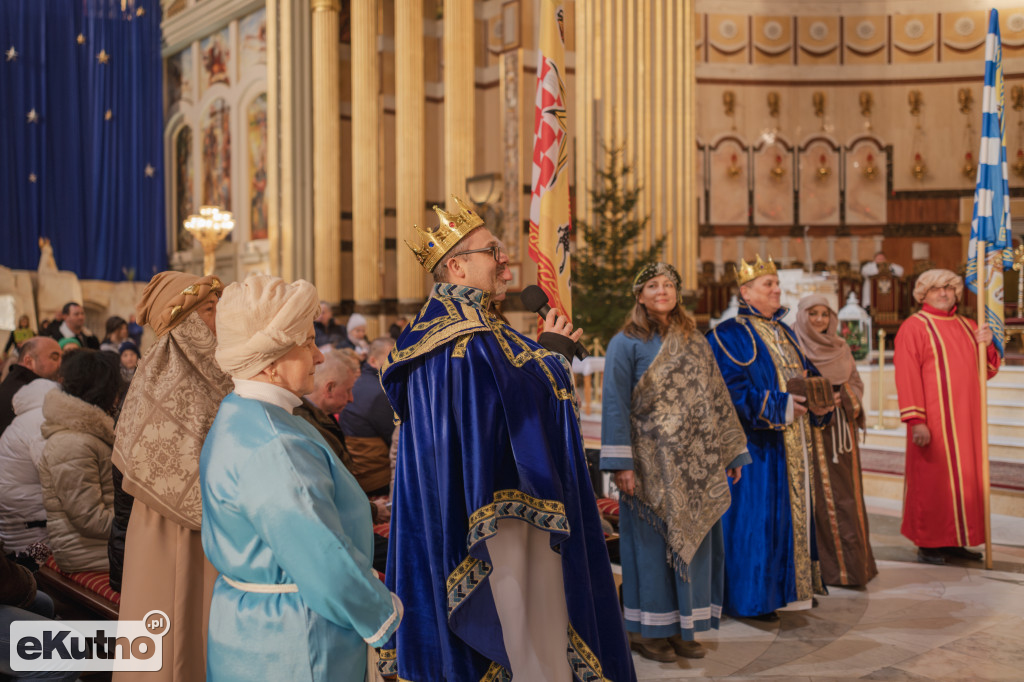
[(496, 544), (770, 556)]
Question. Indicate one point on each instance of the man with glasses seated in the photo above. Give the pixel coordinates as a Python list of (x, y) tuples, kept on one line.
[(496, 543)]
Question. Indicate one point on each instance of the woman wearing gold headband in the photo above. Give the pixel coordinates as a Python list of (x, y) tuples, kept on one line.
[(670, 433), (168, 410), (286, 524)]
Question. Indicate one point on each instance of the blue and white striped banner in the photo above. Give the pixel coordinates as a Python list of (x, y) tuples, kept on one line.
[(991, 220)]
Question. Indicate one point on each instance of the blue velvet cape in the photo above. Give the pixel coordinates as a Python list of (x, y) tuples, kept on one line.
[(489, 431), (761, 568)]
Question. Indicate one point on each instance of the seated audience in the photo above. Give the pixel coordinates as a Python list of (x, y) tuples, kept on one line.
[(396, 329), (20, 335), (368, 423), (328, 332), (129, 360), (283, 522), (22, 515), (117, 333), (69, 345), (356, 336), (134, 330), (73, 326), (20, 600), (332, 390), (74, 471), (40, 357)]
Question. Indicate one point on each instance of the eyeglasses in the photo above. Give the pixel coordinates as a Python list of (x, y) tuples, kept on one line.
[(497, 253)]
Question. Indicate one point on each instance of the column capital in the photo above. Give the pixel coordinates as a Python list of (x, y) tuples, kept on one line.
[(325, 5)]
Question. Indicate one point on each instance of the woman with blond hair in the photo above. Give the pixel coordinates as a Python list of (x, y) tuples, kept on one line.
[(284, 522), (670, 433)]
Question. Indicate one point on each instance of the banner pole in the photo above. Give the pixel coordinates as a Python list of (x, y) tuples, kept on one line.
[(983, 379)]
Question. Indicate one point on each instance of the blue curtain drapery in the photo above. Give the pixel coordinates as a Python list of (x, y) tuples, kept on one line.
[(81, 151)]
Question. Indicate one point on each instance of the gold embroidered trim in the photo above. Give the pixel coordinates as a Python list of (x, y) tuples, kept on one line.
[(496, 673), (459, 351), (585, 665), (753, 345)]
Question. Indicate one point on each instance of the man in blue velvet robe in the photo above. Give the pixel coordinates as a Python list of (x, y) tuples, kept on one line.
[(496, 544), (770, 555)]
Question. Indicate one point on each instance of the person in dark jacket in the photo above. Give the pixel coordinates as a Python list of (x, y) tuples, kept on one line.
[(118, 529), (73, 326), (368, 423), (40, 357)]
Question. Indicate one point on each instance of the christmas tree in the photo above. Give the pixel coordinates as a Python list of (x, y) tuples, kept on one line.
[(608, 256)]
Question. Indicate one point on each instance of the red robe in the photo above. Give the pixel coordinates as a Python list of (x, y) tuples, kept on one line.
[(937, 381)]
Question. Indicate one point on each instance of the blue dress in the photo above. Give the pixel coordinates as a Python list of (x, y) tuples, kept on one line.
[(658, 601), (279, 509)]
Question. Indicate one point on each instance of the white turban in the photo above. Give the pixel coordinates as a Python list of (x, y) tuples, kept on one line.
[(930, 279), (355, 320), (260, 320)]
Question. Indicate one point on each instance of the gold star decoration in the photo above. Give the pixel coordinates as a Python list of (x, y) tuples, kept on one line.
[(140, 12), (80, 39), (103, 57), (12, 54), (150, 171), (32, 116), (109, 115), (32, 177)]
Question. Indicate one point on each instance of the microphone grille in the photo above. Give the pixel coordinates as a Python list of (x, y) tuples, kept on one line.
[(533, 298)]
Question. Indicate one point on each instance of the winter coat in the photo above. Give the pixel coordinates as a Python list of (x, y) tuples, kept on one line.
[(21, 447), (78, 490)]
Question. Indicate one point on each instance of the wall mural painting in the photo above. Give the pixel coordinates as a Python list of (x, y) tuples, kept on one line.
[(257, 127), (252, 37), (179, 78), (183, 187), (216, 55), (216, 155)]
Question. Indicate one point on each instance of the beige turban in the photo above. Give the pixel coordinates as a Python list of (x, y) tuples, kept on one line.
[(170, 296), (261, 319), (931, 279)]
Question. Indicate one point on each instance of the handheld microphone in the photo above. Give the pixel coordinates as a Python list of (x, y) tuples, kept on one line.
[(534, 299)]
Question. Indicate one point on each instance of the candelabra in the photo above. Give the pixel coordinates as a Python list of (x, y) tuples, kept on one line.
[(210, 226)]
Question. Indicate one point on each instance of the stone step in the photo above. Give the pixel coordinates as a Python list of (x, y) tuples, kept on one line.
[(1001, 500), (1009, 449), (1003, 421)]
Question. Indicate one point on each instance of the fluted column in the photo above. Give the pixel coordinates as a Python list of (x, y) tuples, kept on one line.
[(326, 150), (459, 108), (367, 216), (410, 124)]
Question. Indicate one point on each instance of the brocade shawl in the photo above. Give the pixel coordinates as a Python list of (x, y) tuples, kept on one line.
[(167, 412), (684, 433)]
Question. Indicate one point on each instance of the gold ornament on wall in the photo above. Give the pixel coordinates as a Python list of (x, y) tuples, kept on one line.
[(733, 169), (824, 170), (866, 103), (965, 100), (778, 171), (870, 170), (729, 103), (773, 106), (818, 101), (918, 168)]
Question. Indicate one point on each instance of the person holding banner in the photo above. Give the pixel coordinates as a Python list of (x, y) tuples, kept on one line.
[(939, 397)]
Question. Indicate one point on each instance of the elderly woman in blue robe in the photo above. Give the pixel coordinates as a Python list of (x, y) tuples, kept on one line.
[(670, 433), (284, 523)]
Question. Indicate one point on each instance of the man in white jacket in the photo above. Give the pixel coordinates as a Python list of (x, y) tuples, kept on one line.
[(22, 516)]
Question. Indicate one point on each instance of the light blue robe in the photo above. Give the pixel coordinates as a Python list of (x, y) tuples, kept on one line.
[(661, 603), (277, 508)]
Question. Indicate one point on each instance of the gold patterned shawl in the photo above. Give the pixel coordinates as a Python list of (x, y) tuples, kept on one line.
[(684, 433), (169, 408)]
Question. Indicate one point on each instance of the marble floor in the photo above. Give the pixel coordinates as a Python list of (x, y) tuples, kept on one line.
[(912, 622)]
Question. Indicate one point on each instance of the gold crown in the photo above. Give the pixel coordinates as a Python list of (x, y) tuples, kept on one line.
[(433, 245), (751, 271)]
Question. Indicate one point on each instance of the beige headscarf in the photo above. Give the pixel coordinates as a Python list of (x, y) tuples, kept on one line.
[(170, 296), (261, 319), (826, 351), (172, 400), (929, 279)]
